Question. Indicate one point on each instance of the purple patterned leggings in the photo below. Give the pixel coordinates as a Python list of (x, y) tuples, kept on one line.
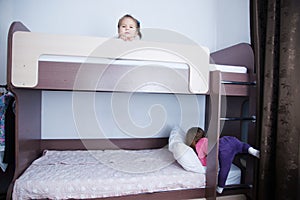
[(228, 147)]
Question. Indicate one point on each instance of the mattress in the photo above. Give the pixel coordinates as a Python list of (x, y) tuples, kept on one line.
[(106, 173), (136, 63), (229, 68)]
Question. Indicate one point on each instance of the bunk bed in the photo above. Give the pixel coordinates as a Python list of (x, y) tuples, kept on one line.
[(30, 72)]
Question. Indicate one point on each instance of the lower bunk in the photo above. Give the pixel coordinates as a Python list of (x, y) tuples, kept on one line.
[(90, 174)]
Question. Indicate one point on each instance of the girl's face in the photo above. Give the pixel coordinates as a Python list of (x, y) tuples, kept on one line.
[(128, 29)]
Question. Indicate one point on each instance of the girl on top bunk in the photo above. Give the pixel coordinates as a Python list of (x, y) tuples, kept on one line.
[(229, 146), (129, 28)]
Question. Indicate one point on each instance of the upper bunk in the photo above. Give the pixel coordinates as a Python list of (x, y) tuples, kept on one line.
[(61, 62)]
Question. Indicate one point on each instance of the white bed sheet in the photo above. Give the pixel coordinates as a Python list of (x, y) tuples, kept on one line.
[(108, 61), (124, 62), (229, 68), (95, 174)]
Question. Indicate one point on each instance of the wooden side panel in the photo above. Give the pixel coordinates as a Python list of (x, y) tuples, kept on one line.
[(28, 128), (102, 144), (101, 77), (213, 133)]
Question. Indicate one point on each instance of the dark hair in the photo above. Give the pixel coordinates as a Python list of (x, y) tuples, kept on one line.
[(194, 134), (138, 25)]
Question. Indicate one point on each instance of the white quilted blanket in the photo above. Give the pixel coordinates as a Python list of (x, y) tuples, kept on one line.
[(91, 174)]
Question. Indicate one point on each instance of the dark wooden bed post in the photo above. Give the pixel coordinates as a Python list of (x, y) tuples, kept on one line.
[(252, 166), (28, 106), (213, 134)]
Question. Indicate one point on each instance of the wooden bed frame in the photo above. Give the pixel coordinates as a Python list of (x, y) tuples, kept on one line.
[(29, 145)]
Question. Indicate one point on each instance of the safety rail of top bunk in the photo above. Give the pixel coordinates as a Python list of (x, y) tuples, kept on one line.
[(28, 47)]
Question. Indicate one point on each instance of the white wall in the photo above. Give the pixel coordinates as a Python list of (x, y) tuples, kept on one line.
[(115, 115), (233, 23), (212, 23)]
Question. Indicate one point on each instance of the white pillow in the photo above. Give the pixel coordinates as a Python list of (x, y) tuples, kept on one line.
[(184, 154)]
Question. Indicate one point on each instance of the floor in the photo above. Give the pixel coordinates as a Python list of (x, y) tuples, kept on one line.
[(230, 197)]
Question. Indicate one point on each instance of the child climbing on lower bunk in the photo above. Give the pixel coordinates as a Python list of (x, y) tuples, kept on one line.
[(229, 146)]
